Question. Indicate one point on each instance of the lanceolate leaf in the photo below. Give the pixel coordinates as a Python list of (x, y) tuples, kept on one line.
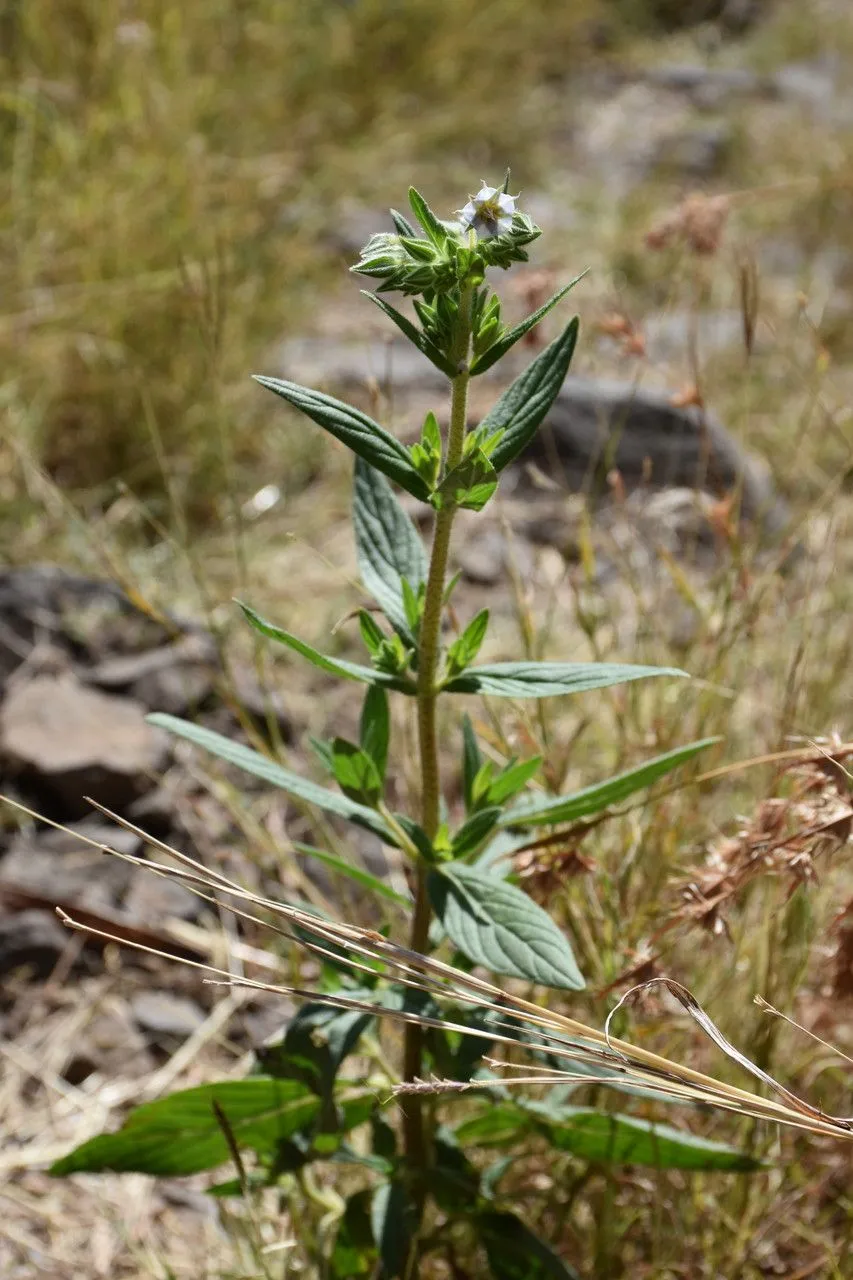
[(471, 760), (394, 1220), (358, 874), (355, 772), (602, 1136), (375, 729), (253, 762), (464, 650), (536, 811), (512, 778), (335, 666), (549, 679), (414, 334), (388, 545), (523, 406), (473, 832), (499, 349), (596, 1135), (496, 925), (181, 1134), (354, 429), (516, 1253)]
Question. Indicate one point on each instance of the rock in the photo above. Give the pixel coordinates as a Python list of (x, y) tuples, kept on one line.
[(483, 556), (44, 602), (110, 1044), (710, 88), (71, 741), (698, 151), (176, 678), (33, 939), (151, 898), (595, 426), (670, 15), (165, 1014), (75, 873)]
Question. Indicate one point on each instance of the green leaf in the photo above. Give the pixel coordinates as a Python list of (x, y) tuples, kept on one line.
[(473, 832), (602, 1137), (452, 1179), (393, 1220), (549, 679), (388, 545), (416, 336), (262, 767), (496, 925), (464, 650), (180, 1134), (412, 604), (471, 760), (317, 1040), (357, 874), (508, 339), (597, 1135), (515, 1253), (371, 632), (523, 406), (469, 485), (497, 1126), (355, 772), (436, 231), (354, 429), (375, 728), (335, 666), (535, 811), (512, 778)]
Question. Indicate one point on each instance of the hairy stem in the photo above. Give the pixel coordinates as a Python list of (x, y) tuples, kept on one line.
[(429, 650)]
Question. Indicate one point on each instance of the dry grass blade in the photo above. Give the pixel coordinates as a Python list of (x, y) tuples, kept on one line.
[(514, 1020)]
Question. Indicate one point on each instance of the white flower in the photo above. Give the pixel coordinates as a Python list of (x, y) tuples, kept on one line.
[(489, 212)]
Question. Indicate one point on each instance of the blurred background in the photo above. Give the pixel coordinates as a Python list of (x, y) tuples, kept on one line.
[(185, 185)]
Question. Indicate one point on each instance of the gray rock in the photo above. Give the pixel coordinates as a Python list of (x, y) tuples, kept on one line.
[(78, 875), (33, 940), (71, 741), (711, 88), (595, 426), (110, 1044), (698, 151), (153, 898), (165, 1014), (174, 678)]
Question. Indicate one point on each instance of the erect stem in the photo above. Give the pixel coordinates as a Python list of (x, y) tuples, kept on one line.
[(429, 648)]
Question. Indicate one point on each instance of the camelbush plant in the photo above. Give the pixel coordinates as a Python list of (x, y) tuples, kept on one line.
[(414, 1189)]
